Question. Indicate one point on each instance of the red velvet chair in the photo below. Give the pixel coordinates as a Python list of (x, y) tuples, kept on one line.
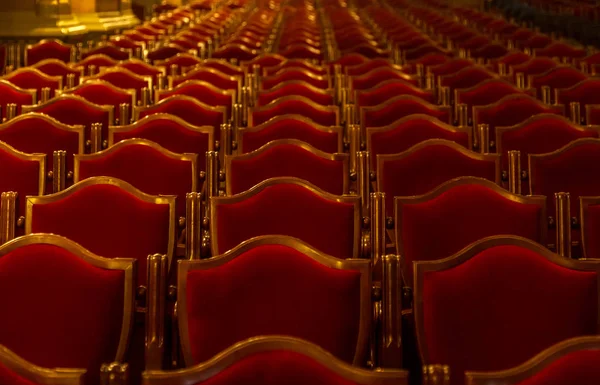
[(489, 51), (366, 67), (511, 59), (378, 76), (75, 110), (536, 41), (235, 51), (222, 66), (559, 77), (318, 95), (288, 158), (85, 301), (98, 62), (295, 74), (262, 61), (573, 361), (104, 93), (108, 216), (389, 89), (11, 94), (291, 104), (146, 165), (327, 139), (14, 370), (143, 69), (459, 212), (125, 79), (33, 79), (534, 66), (411, 130), (423, 50), (466, 78), (38, 133), (460, 311), (287, 206), (319, 298), (165, 52), (351, 59), (112, 51), (48, 49), (209, 75), (274, 360), (55, 67), (427, 61), (540, 134), (428, 164), (488, 92), (296, 63), (561, 50), (180, 61), (586, 94), (450, 66), (201, 91), (125, 42), (301, 51)]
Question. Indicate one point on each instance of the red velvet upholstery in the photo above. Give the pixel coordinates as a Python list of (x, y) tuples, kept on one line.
[(234, 51), (292, 74), (301, 51), (295, 88), (317, 70), (125, 79), (10, 377), (424, 168), (490, 51), (312, 302), (398, 108), (535, 66), (458, 217), (409, 131), (58, 68), (188, 110), (592, 221), (47, 49), (164, 52), (593, 114), (144, 167), (10, 94), (287, 209), (464, 311), (537, 41), (211, 76), (124, 42), (97, 61), (450, 67), (108, 221), (422, 50), (224, 67), (368, 66), (568, 171), (19, 175), (287, 160), (184, 42), (431, 59), (386, 90), (267, 60), (584, 93), (487, 92), (183, 60), (559, 77), (379, 75), (580, 367), (104, 95), (32, 79), (513, 59), (295, 105), (111, 51), (60, 311), (466, 78), (560, 49), (350, 60), (475, 42), (201, 91)]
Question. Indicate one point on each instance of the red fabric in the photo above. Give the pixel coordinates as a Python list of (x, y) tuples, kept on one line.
[(48, 50), (319, 71), (57, 69), (471, 324), (459, 217), (475, 42), (9, 377), (98, 61), (234, 52), (125, 81), (490, 51), (292, 210), (487, 93), (111, 51), (266, 97), (560, 77), (585, 92), (182, 61), (10, 95), (301, 51), (164, 53), (540, 137), (379, 75), (268, 60), (389, 89), (350, 60), (410, 132), (513, 59), (570, 172), (290, 128), (294, 74), (201, 93), (535, 66), (76, 112), (109, 222), (211, 76), (275, 368), (275, 290), (427, 168), (140, 69), (29, 79), (537, 41), (368, 66), (223, 67), (104, 96), (146, 168), (560, 49), (593, 115), (580, 367), (423, 50), (466, 78), (287, 160), (60, 311), (294, 106), (449, 67), (21, 176), (188, 111), (398, 108)]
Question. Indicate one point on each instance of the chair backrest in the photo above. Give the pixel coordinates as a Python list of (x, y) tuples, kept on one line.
[(292, 104)]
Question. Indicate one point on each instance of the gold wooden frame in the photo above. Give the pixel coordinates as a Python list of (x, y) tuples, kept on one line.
[(132, 92), (535, 365), (329, 129), (34, 157), (399, 202), (85, 62), (37, 374), (364, 110), (108, 70), (501, 130), (337, 157), (261, 344), (127, 265), (10, 75), (302, 63), (557, 107), (193, 158), (297, 98), (384, 83), (302, 70), (533, 158), (28, 91), (422, 267), (362, 265), (43, 41), (80, 129), (287, 83), (381, 158), (122, 185), (256, 190), (208, 130), (199, 83), (137, 110), (37, 107)]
